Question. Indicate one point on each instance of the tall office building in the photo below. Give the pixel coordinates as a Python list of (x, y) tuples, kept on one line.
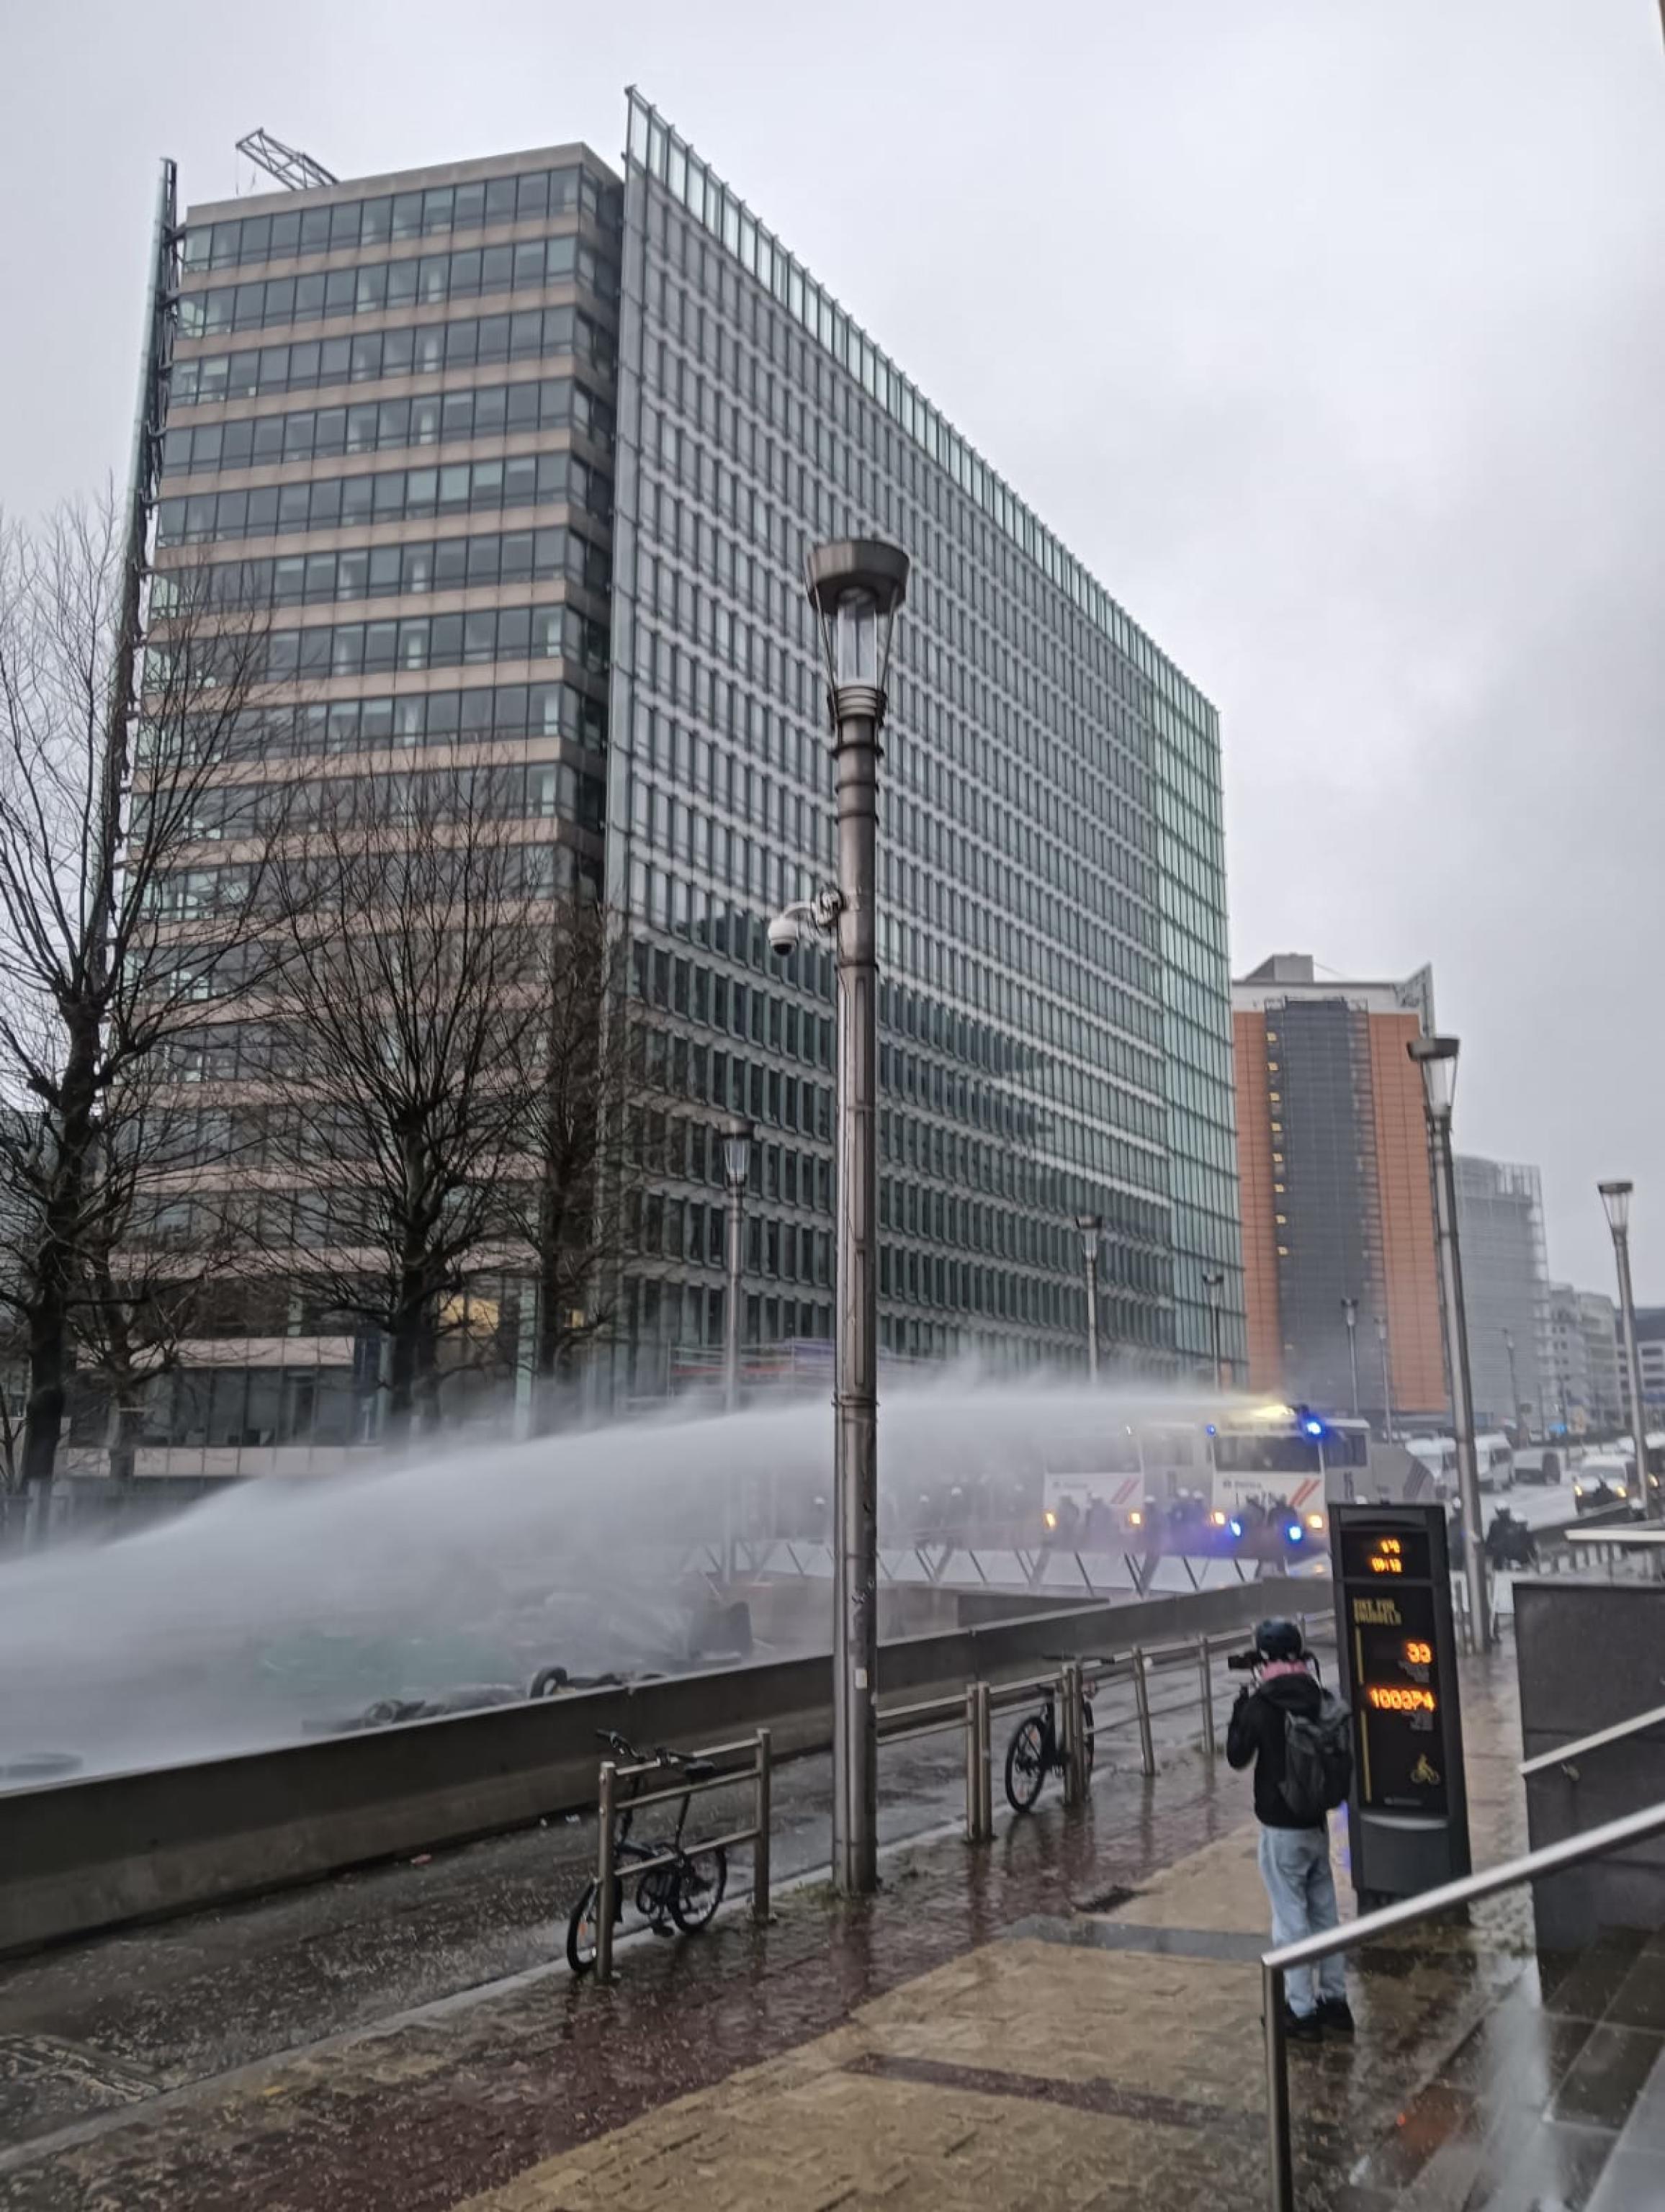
[(1052, 925), (1505, 1289), (1651, 1351), (1598, 1317), (1567, 1392), (1333, 1160), (1583, 1395), (529, 455)]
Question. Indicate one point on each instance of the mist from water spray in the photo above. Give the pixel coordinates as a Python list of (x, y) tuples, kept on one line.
[(282, 1607)]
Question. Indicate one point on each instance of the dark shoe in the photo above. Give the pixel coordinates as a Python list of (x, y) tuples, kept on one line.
[(1336, 2014), (1301, 2027)]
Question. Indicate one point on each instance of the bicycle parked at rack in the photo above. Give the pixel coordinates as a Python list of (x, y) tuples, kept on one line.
[(1036, 1750), (685, 1890)]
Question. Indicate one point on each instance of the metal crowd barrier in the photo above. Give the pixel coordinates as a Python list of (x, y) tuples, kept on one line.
[(608, 1805)]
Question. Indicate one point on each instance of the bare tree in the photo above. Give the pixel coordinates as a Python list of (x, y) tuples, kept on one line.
[(585, 1063), (405, 1020), (118, 720), (162, 1231)]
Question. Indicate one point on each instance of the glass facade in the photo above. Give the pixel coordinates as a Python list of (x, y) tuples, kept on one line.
[(1505, 1288), (1054, 1007), (521, 453), (426, 499)]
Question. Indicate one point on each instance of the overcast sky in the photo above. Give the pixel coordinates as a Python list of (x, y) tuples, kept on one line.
[(1331, 335)]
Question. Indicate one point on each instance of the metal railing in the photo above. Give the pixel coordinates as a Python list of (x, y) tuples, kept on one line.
[(1071, 1683), (608, 1807), (1614, 1546), (1567, 1752), (1553, 1858), (1070, 1687)]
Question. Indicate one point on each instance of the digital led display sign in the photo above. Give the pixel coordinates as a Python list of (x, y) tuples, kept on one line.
[(1399, 1675)]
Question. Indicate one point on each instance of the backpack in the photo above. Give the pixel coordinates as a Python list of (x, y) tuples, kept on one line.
[(1317, 1760)]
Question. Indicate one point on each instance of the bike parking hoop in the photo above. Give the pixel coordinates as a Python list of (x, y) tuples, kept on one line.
[(756, 1770)]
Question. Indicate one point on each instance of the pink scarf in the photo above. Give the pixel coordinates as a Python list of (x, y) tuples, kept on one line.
[(1273, 1667)]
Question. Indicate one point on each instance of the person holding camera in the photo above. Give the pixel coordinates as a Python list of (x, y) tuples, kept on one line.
[(1296, 1734)]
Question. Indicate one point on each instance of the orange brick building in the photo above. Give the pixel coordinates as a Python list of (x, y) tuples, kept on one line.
[(1333, 1167)]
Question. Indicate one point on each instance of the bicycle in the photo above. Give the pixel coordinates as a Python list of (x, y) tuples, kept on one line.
[(1034, 1752), (686, 1890)]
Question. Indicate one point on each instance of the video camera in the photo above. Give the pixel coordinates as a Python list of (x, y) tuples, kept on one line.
[(1273, 1639)]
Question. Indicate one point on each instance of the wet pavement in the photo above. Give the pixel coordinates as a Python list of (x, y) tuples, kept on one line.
[(1068, 2017)]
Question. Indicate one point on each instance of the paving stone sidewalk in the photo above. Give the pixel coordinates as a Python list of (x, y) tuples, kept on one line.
[(1066, 2018)]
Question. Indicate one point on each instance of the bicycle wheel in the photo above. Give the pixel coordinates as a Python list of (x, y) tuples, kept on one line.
[(1087, 1732), (698, 1889), (1025, 1764), (581, 1932)]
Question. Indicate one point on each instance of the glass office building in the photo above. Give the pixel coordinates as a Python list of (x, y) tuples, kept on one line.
[(523, 454), (1505, 1290), (1055, 1010)]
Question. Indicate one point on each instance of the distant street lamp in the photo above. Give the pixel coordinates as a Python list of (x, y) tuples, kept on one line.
[(1616, 1197), (1387, 1381), (1515, 1386), (1437, 1057), (1213, 1282), (1350, 1309), (737, 1167), (1091, 1226)]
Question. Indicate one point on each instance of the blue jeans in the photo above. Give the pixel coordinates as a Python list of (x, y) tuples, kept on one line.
[(1295, 1866)]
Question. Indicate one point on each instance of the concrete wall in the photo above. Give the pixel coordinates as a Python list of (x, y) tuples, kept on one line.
[(92, 1853), (1591, 1654)]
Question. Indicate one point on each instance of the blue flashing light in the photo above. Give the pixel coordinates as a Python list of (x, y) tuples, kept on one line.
[(1298, 1534), (1212, 1430), (1236, 1526), (1314, 1428)]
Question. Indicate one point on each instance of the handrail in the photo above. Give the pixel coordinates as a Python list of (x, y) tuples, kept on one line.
[(1644, 1539), (1616, 1734), (1550, 1858)]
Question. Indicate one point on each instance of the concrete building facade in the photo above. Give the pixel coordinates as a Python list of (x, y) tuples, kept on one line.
[(1333, 1164)]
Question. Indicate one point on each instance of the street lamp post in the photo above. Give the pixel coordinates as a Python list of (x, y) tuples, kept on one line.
[(1437, 1057), (1514, 1386), (1213, 1282), (1091, 1226), (856, 586), (1616, 1197), (1350, 1309), (1387, 1380), (736, 1167)]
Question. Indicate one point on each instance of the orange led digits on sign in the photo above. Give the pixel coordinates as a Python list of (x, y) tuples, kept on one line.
[(1419, 1655), (1383, 1564), (1395, 1697)]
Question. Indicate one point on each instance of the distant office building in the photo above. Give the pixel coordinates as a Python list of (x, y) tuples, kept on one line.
[(1505, 1289), (1567, 1388), (1598, 1318), (1332, 1161), (1650, 1348)]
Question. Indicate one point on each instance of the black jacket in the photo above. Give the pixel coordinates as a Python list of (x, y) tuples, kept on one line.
[(1257, 1732)]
